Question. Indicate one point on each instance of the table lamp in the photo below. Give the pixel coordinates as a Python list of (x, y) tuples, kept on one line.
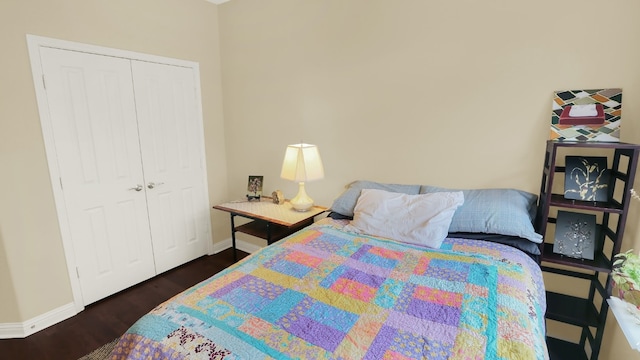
[(302, 163)]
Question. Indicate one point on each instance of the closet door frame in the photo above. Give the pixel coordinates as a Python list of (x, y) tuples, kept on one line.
[(34, 43)]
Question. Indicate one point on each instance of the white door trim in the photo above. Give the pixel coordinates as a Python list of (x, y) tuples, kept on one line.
[(34, 43)]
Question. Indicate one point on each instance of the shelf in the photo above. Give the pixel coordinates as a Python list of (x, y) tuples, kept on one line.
[(571, 310), (610, 207), (599, 262), (258, 228), (563, 350), (595, 144)]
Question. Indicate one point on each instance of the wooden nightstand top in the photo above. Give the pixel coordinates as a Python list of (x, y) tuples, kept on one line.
[(266, 210)]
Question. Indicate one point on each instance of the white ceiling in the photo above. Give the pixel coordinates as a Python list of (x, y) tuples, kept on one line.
[(217, 2)]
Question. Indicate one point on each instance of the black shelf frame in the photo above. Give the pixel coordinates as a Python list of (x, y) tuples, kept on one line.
[(583, 312)]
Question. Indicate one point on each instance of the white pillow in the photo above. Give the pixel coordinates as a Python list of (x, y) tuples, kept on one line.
[(417, 219)]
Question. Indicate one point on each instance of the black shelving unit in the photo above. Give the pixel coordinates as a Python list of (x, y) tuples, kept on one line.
[(588, 312)]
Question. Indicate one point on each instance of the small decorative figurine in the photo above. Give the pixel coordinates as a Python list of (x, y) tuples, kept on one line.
[(278, 197)]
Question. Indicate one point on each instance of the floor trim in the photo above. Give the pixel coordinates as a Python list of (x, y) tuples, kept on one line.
[(32, 326), (40, 322), (240, 245)]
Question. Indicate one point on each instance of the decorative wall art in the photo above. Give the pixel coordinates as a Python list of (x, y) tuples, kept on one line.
[(586, 115), (586, 178), (575, 235), (254, 188)]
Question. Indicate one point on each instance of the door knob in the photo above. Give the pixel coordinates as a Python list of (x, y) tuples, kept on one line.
[(151, 185), (137, 188)]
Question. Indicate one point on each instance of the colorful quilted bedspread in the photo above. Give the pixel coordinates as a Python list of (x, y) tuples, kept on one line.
[(324, 293)]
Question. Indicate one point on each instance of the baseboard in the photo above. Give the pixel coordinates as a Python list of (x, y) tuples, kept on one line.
[(240, 245), (221, 245), (40, 322), (247, 246), (32, 326)]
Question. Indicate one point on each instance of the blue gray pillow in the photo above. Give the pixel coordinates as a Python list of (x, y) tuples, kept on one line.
[(494, 211), (346, 202)]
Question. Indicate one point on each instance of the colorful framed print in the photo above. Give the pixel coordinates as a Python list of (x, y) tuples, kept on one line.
[(586, 115)]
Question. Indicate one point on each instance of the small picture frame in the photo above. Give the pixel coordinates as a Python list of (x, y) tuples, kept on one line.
[(254, 187)]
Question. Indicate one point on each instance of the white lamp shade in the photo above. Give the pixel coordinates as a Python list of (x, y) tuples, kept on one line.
[(302, 163)]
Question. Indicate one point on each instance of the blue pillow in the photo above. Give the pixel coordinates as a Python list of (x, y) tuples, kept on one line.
[(494, 211), (346, 202)]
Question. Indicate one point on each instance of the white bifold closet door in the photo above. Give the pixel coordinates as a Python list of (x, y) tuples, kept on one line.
[(128, 148), (170, 141)]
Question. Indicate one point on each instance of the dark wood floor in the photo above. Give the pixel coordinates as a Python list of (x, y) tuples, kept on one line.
[(109, 318)]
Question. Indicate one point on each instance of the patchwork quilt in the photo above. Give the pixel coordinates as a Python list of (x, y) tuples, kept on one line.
[(324, 293)]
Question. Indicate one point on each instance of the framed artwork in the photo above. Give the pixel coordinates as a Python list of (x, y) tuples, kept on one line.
[(586, 178), (586, 115), (575, 235), (254, 187)]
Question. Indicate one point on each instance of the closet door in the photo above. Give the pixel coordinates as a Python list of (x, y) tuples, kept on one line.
[(92, 112), (171, 139)]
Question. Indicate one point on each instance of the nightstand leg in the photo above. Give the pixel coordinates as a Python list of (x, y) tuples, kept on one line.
[(233, 238), (268, 233)]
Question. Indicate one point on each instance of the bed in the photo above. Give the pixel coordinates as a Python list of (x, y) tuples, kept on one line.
[(332, 291)]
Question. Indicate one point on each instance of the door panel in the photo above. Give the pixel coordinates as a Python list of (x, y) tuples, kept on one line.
[(92, 111), (172, 154)]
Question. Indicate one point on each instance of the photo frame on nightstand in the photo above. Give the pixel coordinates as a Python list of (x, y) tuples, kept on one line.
[(254, 187)]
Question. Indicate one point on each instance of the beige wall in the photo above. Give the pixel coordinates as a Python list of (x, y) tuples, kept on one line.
[(33, 272), (452, 93), (410, 91)]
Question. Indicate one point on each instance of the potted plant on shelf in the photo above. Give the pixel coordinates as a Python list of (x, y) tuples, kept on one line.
[(626, 275)]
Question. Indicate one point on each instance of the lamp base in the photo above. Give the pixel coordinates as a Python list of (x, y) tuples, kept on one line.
[(302, 201)]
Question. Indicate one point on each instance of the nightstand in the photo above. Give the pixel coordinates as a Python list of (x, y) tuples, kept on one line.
[(270, 221)]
